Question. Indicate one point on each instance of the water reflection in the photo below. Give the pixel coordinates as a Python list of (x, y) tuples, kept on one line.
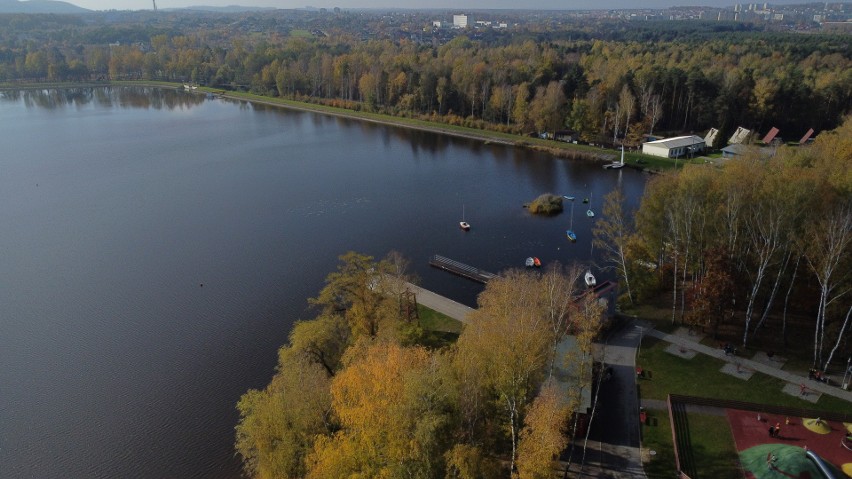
[(106, 96)]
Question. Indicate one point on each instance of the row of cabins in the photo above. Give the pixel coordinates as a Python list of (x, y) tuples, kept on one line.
[(688, 146)]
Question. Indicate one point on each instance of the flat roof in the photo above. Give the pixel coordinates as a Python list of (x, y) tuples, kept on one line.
[(677, 142)]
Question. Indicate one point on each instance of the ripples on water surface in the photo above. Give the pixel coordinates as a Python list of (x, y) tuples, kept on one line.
[(118, 203)]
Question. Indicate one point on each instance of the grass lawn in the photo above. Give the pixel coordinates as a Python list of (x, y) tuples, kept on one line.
[(658, 438), (713, 447), (439, 330), (700, 376)]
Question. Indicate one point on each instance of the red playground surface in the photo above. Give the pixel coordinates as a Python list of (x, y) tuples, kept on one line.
[(748, 432)]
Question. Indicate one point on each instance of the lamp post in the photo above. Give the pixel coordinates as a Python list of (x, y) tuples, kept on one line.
[(847, 373)]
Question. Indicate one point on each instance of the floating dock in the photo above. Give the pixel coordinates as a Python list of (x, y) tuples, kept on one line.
[(461, 269)]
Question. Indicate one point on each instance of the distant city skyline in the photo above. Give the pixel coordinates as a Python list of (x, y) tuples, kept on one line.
[(459, 6)]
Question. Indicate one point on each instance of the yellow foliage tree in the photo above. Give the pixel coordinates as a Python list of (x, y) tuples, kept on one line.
[(544, 434), (391, 403)]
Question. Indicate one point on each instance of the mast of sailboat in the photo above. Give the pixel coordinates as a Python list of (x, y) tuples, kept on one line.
[(572, 216)]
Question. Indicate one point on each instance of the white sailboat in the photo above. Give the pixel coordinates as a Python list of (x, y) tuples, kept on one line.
[(464, 225), (616, 165), (589, 212)]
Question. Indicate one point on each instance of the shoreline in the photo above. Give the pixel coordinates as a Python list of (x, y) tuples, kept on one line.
[(565, 151)]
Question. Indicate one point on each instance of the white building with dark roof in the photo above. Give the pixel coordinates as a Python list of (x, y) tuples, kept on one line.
[(674, 147)]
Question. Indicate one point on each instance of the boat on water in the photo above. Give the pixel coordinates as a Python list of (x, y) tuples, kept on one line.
[(533, 261), (589, 212), (570, 231), (590, 279), (569, 198), (464, 225), (585, 200), (616, 165)]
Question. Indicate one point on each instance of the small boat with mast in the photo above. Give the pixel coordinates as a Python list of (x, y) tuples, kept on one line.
[(589, 212), (570, 231), (464, 225), (616, 165)]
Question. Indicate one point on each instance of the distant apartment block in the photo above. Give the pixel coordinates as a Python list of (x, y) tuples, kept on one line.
[(461, 21)]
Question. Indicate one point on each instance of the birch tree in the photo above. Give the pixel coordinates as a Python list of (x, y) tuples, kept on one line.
[(823, 253), (510, 338), (611, 234)]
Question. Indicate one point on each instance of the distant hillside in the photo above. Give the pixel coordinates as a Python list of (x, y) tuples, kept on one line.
[(228, 9), (39, 6)]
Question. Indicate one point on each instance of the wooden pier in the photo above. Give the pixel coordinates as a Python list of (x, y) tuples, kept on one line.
[(461, 269)]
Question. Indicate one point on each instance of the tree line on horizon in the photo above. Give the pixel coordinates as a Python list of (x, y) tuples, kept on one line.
[(608, 91), (359, 392)]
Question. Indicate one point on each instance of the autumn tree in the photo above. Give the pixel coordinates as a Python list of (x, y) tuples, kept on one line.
[(278, 424), (612, 233), (508, 336), (558, 285), (365, 293), (544, 435), (392, 406)]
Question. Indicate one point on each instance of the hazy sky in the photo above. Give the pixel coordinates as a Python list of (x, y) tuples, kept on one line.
[(459, 5)]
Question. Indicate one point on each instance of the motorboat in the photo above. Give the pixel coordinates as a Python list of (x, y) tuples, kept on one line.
[(530, 262)]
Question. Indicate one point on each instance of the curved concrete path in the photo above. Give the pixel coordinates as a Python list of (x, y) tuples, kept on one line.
[(752, 365), (440, 303)]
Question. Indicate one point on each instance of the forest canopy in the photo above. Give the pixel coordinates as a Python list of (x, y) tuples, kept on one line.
[(357, 394), (607, 82), (761, 246)]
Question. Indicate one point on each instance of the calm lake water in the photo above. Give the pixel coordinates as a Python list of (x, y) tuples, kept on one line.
[(117, 204)]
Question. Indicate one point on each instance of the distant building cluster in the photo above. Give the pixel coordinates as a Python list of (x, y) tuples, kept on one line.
[(466, 21), (836, 16)]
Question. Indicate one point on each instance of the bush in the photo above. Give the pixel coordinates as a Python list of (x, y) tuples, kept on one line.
[(546, 204)]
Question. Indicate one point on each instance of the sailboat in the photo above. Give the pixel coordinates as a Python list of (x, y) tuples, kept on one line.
[(589, 212), (616, 166), (570, 232), (464, 225)]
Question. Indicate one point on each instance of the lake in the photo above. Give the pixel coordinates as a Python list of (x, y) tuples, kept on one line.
[(118, 204)]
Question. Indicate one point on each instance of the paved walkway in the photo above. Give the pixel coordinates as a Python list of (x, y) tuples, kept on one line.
[(440, 303), (811, 385)]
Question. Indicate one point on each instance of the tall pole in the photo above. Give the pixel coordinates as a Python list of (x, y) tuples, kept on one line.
[(155, 5)]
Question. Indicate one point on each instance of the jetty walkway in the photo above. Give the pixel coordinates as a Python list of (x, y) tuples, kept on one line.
[(461, 269)]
